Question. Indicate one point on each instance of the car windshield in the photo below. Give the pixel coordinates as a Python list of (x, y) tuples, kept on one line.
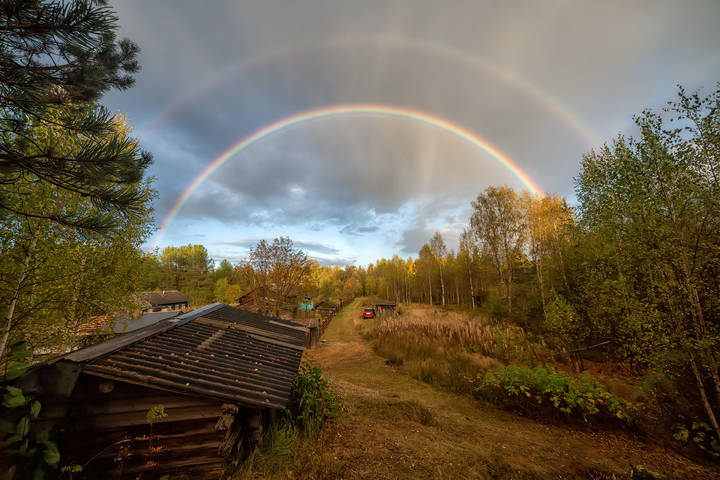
[(368, 309)]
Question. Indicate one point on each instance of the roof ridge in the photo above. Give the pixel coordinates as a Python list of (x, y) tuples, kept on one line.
[(93, 352)]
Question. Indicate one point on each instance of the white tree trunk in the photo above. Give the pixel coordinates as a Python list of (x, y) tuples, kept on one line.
[(16, 295)]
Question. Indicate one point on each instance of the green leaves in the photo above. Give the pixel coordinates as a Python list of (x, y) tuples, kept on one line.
[(35, 408), (312, 401), (155, 413), (18, 352), (51, 455), (14, 397), (537, 391), (33, 451)]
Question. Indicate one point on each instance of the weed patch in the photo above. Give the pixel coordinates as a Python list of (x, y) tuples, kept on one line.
[(422, 334), (312, 402), (537, 392)]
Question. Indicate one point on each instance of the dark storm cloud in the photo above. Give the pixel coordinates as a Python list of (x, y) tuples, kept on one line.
[(576, 66)]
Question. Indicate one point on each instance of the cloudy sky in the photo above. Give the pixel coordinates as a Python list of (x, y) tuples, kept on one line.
[(540, 82)]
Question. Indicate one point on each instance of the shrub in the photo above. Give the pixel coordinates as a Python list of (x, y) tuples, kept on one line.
[(31, 448), (699, 435), (539, 392), (312, 401)]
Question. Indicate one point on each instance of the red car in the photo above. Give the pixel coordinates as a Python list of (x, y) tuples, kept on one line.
[(368, 313)]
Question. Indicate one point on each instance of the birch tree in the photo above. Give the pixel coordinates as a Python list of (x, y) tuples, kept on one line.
[(497, 223)]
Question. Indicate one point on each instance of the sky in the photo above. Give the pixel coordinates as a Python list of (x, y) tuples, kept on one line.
[(430, 100)]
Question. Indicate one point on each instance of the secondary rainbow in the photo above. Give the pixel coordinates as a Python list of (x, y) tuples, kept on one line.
[(355, 42), (340, 110)]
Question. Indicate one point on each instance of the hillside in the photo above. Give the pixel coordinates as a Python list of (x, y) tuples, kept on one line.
[(394, 426)]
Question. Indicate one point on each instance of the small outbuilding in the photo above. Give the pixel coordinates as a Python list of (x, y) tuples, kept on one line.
[(383, 308), (164, 301), (218, 373), (326, 308)]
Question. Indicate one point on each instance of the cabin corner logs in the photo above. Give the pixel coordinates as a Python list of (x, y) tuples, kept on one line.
[(220, 374)]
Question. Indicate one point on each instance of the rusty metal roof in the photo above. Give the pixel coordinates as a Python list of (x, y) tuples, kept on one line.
[(203, 352)]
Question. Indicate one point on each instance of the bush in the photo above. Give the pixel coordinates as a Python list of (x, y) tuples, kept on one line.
[(539, 392), (312, 401), (699, 435)]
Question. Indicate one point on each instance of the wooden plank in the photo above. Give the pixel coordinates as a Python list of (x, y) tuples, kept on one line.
[(139, 418)]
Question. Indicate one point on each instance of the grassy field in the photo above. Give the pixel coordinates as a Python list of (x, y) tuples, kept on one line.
[(396, 426)]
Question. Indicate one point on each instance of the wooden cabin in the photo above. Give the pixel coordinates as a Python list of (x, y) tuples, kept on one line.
[(164, 301), (219, 373), (383, 308), (326, 308)]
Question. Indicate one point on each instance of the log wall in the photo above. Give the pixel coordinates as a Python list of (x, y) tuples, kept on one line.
[(103, 426)]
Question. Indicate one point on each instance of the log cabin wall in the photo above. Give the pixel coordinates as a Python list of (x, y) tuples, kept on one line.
[(103, 426)]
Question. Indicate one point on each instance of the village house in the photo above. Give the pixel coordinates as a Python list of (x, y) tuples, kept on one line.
[(220, 374), (164, 301)]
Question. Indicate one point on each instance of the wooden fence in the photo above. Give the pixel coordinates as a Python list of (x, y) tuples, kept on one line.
[(317, 326)]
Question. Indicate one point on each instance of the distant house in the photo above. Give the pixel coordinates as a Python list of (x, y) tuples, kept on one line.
[(385, 308), (221, 374), (249, 300), (262, 300), (326, 308), (164, 301)]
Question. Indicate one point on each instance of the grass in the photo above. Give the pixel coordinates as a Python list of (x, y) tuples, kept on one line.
[(394, 426)]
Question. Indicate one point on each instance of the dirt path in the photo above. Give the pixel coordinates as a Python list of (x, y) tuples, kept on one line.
[(398, 427)]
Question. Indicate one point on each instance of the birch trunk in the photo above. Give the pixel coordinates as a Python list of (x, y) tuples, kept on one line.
[(703, 397), (442, 285), (16, 295), (472, 290)]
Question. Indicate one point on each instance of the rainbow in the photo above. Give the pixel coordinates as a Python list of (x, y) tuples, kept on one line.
[(339, 110), (569, 119)]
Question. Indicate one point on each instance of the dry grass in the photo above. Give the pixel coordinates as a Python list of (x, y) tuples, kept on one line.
[(449, 349), (424, 331)]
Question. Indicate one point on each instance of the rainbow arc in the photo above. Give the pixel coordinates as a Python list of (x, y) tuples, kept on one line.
[(344, 110)]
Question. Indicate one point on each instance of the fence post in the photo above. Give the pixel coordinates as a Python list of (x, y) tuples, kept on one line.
[(314, 333)]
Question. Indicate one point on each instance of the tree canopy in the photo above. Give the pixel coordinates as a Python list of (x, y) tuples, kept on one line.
[(56, 60)]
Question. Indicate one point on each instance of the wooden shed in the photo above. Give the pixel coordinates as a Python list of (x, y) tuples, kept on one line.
[(385, 308), (220, 374), (326, 308)]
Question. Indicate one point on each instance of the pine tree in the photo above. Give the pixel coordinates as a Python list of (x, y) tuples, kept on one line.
[(56, 60)]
